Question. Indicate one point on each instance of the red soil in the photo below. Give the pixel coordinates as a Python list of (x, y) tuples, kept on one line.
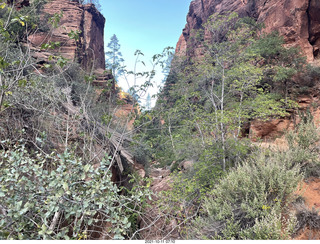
[(310, 191)]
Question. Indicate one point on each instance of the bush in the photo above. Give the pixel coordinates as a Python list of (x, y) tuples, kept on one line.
[(59, 196), (273, 226), (251, 195), (304, 146)]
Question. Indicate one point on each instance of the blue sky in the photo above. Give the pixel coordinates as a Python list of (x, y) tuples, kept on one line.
[(147, 25)]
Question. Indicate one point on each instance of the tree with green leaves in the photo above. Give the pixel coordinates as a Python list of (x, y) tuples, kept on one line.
[(114, 60), (224, 91)]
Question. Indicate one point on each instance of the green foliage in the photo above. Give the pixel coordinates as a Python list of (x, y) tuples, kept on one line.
[(141, 191), (272, 227), (37, 188), (54, 20), (226, 88), (303, 146), (309, 77), (20, 24), (114, 60), (253, 197), (249, 202), (74, 35)]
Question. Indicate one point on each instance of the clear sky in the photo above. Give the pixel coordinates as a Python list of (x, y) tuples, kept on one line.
[(147, 25)]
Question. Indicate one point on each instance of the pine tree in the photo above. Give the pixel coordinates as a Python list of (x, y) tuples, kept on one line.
[(148, 102), (114, 58), (167, 67)]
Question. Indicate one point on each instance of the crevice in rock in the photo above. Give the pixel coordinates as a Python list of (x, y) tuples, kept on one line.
[(81, 52), (202, 6), (309, 20), (312, 42), (252, 9)]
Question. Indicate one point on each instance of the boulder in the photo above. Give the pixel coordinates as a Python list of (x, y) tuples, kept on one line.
[(186, 165)]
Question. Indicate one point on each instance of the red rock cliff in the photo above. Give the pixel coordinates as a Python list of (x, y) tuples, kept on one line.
[(297, 20), (89, 49)]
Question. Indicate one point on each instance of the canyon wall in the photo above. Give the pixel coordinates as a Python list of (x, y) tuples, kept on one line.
[(298, 21), (88, 50)]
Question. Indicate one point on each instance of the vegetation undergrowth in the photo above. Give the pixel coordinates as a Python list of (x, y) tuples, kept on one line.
[(234, 190), (251, 200), (60, 176), (58, 196), (64, 155)]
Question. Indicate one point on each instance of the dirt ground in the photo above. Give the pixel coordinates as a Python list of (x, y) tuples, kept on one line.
[(310, 191)]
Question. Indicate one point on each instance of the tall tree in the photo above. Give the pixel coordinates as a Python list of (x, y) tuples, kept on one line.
[(215, 95), (114, 58), (167, 66), (148, 102)]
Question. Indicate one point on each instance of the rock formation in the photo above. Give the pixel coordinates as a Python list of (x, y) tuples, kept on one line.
[(19, 3), (298, 21), (88, 50)]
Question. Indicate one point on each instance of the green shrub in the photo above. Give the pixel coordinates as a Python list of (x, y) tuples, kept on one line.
[(59, 196), (304, 146), (250, 195), (271, 227), (24, 21)]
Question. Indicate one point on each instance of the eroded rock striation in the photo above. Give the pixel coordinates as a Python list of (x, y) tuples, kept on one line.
[(298, 21), (88, 49)]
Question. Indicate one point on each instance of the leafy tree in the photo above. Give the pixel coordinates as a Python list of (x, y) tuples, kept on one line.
[(134, 94), (114, 58), (282, 63), (224, 91)]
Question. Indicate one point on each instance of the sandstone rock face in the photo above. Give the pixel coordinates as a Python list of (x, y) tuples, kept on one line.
[(297, 20), (181, 46), (269, 130), (19, 3), (89, 49), (314, 27)]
